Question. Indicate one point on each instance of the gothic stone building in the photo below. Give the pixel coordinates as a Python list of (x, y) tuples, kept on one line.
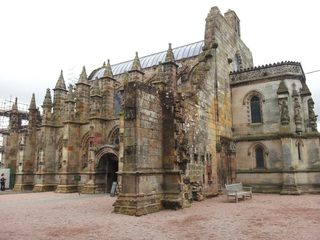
[(172, 127)]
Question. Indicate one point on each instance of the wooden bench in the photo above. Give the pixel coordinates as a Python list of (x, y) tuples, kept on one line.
[(237, 191)]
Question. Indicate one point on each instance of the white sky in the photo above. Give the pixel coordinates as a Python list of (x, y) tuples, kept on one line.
[(38, 38)]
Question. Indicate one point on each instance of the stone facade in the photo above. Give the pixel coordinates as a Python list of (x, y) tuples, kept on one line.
[(172, 127), (286, 134)]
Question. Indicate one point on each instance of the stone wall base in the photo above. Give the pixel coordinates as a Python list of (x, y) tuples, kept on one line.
[(174, 201), (137, 205), (92, 189), (174, 204), (286, 189), (309, 188), (67, 188), (44, 187), (265, 188), (23, 187), (210, 192), (290, 190)]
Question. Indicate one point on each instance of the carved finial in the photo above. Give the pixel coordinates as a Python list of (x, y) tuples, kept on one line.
[(136, 63), (214, 11), (83, 76), (282, 88), (15, 105), (169, 55), (47, 103), (107, 70), (33, 103), (60, 83)]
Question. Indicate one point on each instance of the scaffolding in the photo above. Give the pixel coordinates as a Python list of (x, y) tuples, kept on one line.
[(5, 109)]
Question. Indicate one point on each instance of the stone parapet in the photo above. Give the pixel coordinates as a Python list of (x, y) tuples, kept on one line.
[(22, 187), (267, 71)]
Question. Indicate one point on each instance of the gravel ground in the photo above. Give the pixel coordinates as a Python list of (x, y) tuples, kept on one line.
[(51, 215)]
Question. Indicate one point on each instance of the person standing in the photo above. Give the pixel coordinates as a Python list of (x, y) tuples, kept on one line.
[(2, 182)]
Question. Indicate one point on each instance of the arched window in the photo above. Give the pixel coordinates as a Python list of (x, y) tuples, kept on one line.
[(255, 110), (259, 157), (114, 137)]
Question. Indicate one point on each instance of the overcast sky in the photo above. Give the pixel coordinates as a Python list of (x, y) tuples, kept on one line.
[(39, 38)]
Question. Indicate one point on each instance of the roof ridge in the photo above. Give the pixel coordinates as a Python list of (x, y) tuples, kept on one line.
[(181, 52), (157, 53)]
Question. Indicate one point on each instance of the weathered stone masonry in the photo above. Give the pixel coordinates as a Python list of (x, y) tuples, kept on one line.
[(172, 127)]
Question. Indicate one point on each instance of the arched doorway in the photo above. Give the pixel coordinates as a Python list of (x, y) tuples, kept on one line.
[(107, 171)]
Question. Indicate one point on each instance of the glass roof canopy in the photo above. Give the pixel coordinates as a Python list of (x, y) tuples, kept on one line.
[(182, 52)]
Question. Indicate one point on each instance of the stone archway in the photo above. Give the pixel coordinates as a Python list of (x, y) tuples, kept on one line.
[(107, 171), (107, 166)]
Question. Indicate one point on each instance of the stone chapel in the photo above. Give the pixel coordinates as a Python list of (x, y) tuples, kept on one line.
[(172, 127)]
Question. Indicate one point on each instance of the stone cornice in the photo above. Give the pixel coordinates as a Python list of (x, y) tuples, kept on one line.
[(267, 79)]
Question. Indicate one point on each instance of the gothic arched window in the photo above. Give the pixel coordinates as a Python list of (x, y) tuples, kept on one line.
[(255, 110), (259, 157), (114, 137)]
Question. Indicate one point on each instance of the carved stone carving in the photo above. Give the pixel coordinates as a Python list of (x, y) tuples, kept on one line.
[(285, 118), (59, 145), (297, 110), (312, 116), (297, 115), (130, 113), (130, 150)]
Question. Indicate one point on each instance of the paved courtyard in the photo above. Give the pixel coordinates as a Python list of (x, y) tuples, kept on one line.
[(50, 215)]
